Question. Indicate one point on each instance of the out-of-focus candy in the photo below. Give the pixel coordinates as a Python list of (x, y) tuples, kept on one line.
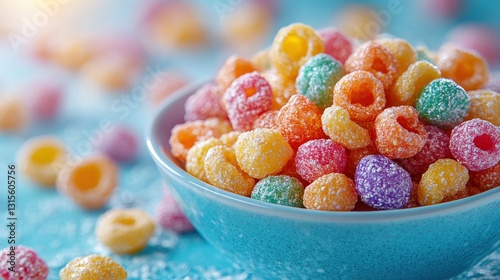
[(163, 84), (233, 68), (13, 114), (484, 104), (120, 143), (205, 103), (404, 52), (360, 22), (337, 45), (44, 101), (481, 38), (170, 216), (28, 265)]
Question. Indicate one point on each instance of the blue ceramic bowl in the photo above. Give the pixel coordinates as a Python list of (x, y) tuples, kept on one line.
[(279, 242)]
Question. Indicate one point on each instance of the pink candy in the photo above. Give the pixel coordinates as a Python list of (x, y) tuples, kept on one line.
[(319, 157), (337, 45), (170, 216), (28, 265), (120, 144), (44, 101), (205, 103), (476, 144)]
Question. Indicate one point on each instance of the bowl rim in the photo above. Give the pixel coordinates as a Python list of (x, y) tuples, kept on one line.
[(249, 204)]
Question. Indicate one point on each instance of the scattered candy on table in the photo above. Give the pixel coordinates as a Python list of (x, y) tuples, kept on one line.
[(170, 216), (93, 267), (27, 264)]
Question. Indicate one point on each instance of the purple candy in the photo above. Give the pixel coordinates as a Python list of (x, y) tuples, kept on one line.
[(120, 144), (381, 183)]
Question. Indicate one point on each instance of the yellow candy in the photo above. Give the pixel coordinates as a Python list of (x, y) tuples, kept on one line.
[(293, 46), (331, 192), (404, 52), (196, 157), (338, 125), (262, 152), (443, 179), (223, 172), (484, 104), (125, 231), (93, 267), (407, 87), (41, 159), (228, 139)]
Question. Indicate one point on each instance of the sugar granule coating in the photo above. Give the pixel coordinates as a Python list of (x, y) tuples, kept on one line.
[(319, 157), (331, 192), (223, 171), (120, 143), (355, 155), (399, 132), (484, 104), (467, 68), (125, 231), (248, 97), (411, 82), (444, 178), (436, 147), (280, 189), (89, 182), (381, 183), (233, 68), (170, 216), (443, 103), (195, 159), (376, 59), (93, 267), (262, 152), (361, 94), (476, 144), (41, 158), (293, 46), (283, 88), (404, 52), (299, 121), (28, 265), (266, 120), (338, 125), (486, 179), (317, 78), (185, 135), (205, 103), (228, 139), (336, 44)]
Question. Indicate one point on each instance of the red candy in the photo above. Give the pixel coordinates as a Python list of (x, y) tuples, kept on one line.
[(435, 147), (248, 97), (476, 144), (28, 265), (336, 44), (486, 179), (319, 157), (205, 103)]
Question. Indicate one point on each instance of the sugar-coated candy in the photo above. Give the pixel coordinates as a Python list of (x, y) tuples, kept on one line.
[(381, 183), (170, 216), (185, 135), (228, 139), (413, 200), (376, 59), (436, 147), (223, 171), (484, 104), (290, 170), (262, 152), (248, 97), (90, 181), (465, 67), (486, 179), (361, 94), (482, 38), (443, 103), (293, 46), (411, 82), (319, 157), (444, 178), (336, 44), (163, 84), (205, 103), (125, 231), (404, 52), (280, 189), (423, 54), (120, 143), (233, 68), (331, 192), (399, 132), (196, 157), (41, 158), (112, 71), (44, 101), (355, 155), (28, 265), (13, 114), (266, 120), (299, 121), (93, 267), (317, 78), (476, 144), (338, 125), (283, 88)]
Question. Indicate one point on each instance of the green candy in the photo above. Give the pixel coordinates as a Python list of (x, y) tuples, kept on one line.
[(280, 189), (443, 103), (317, 78)]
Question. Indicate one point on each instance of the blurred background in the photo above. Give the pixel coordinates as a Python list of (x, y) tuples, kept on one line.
[(69, 66)]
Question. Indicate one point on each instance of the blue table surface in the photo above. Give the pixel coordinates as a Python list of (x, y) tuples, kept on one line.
[(60, 231)]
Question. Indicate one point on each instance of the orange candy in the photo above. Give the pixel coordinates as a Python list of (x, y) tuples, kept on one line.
[(361, 94), (404, 52), (331, 192), (93, 267), (486, 179), (266, 120), (13, 116), (399, 132), (233, 68), (466, 68), (376, 59)]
